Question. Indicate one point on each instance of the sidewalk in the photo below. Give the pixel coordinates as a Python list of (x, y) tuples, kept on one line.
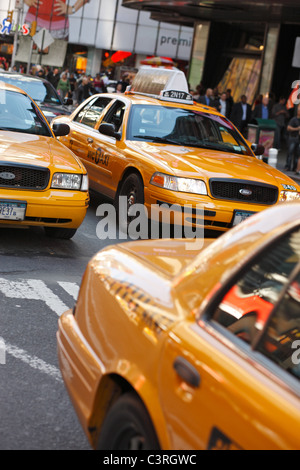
[(281, 159)]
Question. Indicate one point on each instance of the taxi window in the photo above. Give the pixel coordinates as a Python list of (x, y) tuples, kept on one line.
[(38, 90), (188, 127), (281, 339), (19, 114), (115, 115), (90, 114), (247, 304)]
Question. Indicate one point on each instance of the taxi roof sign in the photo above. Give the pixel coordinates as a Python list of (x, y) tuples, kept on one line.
[(162, 83)]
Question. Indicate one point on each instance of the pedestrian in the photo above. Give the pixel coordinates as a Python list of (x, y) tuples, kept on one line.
[(64, 87), (230, 100), (85, 90), (262, 110), (223, 105), (119, 88), (206, 99), (99, 84), (241, 115), (198, 92), (73, 82), (280, 115), (54, 76), (293, 129)]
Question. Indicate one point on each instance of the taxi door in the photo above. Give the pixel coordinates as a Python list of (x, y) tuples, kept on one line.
[(107, 153), (83, 135), (214, 399)]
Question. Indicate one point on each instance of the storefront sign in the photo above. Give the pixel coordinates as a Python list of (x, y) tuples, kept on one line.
[(7, 26)]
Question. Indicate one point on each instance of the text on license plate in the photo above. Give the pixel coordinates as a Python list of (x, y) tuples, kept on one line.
[(239, 216), (12, 210)]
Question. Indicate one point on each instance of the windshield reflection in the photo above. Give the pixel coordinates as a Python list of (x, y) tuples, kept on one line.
[(186, 127)]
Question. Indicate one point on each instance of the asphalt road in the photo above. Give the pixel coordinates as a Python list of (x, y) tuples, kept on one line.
[(39, 279)]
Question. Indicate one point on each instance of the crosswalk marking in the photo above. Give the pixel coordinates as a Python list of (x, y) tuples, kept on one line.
[(71, 288), (35, 289), (33, 361)]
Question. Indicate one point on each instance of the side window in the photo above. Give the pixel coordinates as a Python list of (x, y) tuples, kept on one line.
[(91, 113), (280, 341), (248, 303), (115, 115)]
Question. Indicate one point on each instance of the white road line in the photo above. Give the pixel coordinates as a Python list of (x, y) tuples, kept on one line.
[(71, 288), (32, 289), (34, 362), (48, 296)]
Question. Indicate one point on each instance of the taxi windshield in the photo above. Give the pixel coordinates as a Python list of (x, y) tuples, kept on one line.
[(19, 114), (181, 126), (39, 91)]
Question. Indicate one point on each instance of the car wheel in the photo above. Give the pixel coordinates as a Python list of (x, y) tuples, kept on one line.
[(127, 426), (133, 189), (63, 233)]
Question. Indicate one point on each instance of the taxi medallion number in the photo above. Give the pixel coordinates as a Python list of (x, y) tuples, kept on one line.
[(12, 210)]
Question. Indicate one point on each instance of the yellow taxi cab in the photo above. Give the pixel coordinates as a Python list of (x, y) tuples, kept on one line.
[(155, 146), (171, 349), (42, 183)]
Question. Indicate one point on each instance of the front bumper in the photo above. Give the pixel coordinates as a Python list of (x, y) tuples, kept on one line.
[(196, 210), (80, 369), (49, 208)]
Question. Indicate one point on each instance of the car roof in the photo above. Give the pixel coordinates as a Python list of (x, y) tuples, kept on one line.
[(21, 76), (145, 99), (8, 86)]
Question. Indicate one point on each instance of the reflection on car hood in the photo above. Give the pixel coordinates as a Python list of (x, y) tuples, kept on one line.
[(194, 162), (16, 147)]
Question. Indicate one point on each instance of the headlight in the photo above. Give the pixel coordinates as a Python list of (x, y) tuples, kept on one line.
[(70, 181), (289, 196), (174, 183)]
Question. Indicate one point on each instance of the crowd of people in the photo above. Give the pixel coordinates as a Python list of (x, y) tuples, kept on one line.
[(241, 114), (79, 86)]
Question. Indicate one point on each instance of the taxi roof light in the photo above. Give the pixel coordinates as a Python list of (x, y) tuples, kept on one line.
[(163, 84)]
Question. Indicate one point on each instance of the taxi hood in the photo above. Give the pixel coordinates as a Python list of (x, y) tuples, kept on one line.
[(193, 162), (16, 147)]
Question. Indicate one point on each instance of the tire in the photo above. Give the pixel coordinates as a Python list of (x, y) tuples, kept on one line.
[(133, 189), (127, 426), (63, 233)]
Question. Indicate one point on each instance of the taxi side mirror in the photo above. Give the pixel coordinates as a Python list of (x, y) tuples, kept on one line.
[(258, 149), (109, 129), (60, 129)]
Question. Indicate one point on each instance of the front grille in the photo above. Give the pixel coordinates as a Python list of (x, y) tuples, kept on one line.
[(233, 190), (23, 177)]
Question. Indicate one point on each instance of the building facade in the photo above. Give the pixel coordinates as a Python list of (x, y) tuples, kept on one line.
[(89, 36), (248, 46)]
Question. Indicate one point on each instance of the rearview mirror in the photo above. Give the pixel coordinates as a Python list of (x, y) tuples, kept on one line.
[(60, 129), (258, 149), (109, 129)]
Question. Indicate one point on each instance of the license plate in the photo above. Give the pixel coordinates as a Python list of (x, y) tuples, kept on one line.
[(239, 216), (12, 210)]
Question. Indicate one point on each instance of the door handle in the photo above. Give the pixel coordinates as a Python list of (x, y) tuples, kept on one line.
[(90, 140), (187, 372)]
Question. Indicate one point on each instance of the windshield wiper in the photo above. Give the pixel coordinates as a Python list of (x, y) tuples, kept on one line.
[(161, 140)]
